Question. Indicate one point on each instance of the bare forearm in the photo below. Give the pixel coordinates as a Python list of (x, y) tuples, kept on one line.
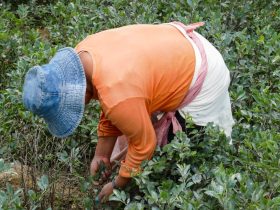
[(105, 146)]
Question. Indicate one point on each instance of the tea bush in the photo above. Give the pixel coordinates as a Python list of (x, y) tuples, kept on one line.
[(198, 172)]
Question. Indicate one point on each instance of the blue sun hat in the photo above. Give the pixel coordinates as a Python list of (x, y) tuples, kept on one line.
[(56, 92)]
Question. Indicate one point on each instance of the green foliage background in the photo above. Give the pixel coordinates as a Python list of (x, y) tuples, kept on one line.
[(202, 173)]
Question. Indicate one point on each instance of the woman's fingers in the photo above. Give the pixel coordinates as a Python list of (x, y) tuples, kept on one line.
[(100, 168), (94, 167), (104, 177), (106, 191)]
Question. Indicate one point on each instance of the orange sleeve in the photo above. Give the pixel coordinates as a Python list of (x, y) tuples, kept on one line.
[(105, 127), (132, 119)]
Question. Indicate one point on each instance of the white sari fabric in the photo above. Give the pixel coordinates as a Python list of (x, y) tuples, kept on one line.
[(212, 104)]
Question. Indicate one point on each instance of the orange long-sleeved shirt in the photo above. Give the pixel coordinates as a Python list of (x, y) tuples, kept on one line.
[(137, 70)]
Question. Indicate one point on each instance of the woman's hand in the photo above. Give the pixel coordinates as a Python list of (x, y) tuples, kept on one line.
[(100, 166), (101, 158), (106, 191)]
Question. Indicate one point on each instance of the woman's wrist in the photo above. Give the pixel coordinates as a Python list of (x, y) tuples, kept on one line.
[(105, 146), (114, 185), (120, 182)]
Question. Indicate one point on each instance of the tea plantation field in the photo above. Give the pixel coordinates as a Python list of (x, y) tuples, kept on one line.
[(38, 171)]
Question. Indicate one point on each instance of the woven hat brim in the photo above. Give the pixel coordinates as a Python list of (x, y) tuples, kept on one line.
[(71, 108)]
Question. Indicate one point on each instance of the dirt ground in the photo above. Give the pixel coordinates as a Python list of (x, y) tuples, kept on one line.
[(63, 192)]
